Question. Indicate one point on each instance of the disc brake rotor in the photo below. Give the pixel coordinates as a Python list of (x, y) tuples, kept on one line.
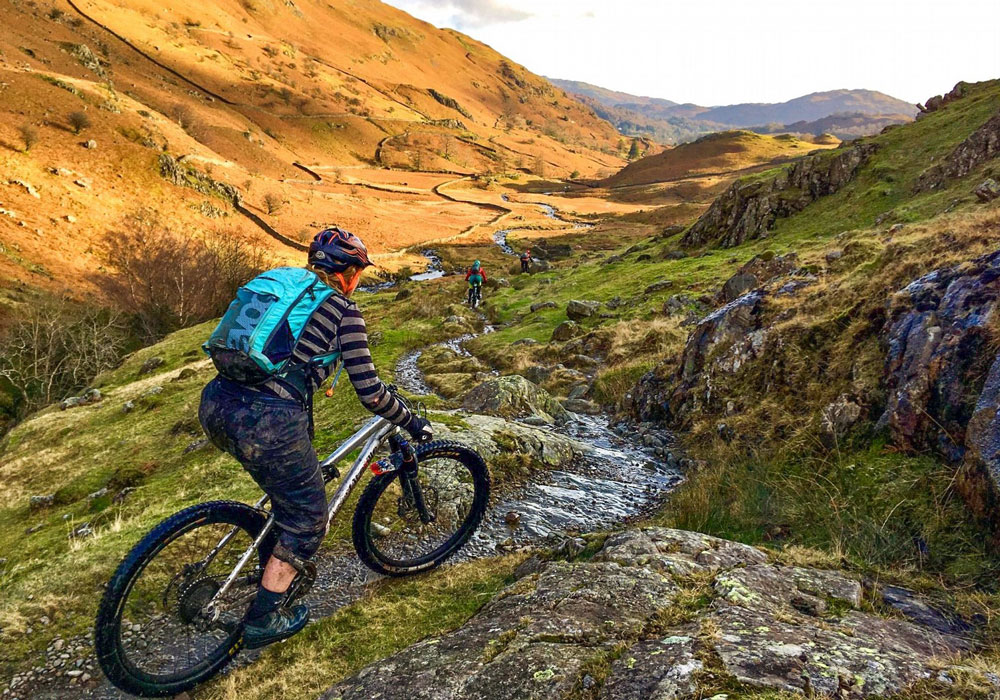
[(195, 596)]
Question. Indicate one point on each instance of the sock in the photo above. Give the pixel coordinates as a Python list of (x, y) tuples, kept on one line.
[(266, 602)]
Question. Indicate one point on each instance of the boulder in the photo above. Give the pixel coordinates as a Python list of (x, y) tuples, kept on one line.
[(38, 502), (150, 365), (765, 628), (492, 436), (839, 417), (539, 305), (513, 396), (988, 190), (942, 374), (659, 286), (565, 331), (578, 310), (757, 271), (581, 406)]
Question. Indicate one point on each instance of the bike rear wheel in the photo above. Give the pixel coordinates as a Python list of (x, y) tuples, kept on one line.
[(389, 534), (154, 635)]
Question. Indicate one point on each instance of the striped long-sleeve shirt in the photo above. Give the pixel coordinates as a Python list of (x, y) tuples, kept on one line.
[(338, 325)]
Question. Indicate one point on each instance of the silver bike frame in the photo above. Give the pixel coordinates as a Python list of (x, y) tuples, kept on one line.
[(369, 438)]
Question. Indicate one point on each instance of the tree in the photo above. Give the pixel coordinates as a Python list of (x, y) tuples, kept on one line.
[(79, 121), (539, 167), (633, 151), (29, 136)]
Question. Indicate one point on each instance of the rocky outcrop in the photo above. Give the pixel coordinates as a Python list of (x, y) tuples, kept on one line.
[(514, 396), (982, 145), (662, 613), (178, 173), (722, 342), (935, 103), (942, 373), (748, 210)]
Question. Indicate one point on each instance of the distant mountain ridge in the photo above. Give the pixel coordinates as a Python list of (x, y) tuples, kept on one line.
[(672, 122)]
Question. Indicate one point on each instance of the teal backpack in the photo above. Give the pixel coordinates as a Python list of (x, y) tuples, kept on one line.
[(256, 337)]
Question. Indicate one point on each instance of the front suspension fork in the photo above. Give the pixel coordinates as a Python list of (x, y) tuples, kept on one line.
[(408, 480)]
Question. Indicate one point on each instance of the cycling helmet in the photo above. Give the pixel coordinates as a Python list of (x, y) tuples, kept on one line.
[(335, 250), (476, 265)]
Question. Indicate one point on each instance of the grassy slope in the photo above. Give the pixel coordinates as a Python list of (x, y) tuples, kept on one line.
[(721, 152)]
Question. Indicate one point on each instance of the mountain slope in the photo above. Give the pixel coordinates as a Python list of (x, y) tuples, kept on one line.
[(669, 120), (246, 93)]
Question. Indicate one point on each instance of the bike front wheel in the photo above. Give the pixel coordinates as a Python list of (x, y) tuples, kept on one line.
[(156, 634), (397, 534)]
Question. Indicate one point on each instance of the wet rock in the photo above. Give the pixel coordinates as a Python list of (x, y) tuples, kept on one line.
[(721, 343), (988, 190), (565, 331), (150, 365), (539, 305), (578, 310), (514, 396), (982, 145), (942, 373), (748, 210), (512, 519)]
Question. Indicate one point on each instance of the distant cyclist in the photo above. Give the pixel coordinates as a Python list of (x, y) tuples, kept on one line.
[(526, 260), (266, 422), (475, 276)]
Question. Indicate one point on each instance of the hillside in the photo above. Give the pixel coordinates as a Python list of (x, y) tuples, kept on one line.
[(260, 110), (714, 154), (787, 348), (673, 122)]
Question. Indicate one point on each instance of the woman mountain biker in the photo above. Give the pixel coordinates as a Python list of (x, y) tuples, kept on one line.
[(268, 428), (475, 276)]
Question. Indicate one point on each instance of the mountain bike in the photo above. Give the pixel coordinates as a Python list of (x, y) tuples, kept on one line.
[(475, 295), (172, 614)]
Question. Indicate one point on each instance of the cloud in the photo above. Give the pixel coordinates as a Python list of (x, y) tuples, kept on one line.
[(479, 13)]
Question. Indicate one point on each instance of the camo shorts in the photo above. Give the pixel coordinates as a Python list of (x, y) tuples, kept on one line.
[(270, 437)]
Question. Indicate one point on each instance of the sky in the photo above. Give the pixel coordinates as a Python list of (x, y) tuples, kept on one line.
[(714, 52)]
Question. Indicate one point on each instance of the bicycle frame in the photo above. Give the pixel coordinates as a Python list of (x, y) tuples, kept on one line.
[(370, 437)]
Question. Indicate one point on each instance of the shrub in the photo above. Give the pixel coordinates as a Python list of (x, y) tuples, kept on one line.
[(79, 121), (273, 202), (183, 115), (55, 348), (29, 136)]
